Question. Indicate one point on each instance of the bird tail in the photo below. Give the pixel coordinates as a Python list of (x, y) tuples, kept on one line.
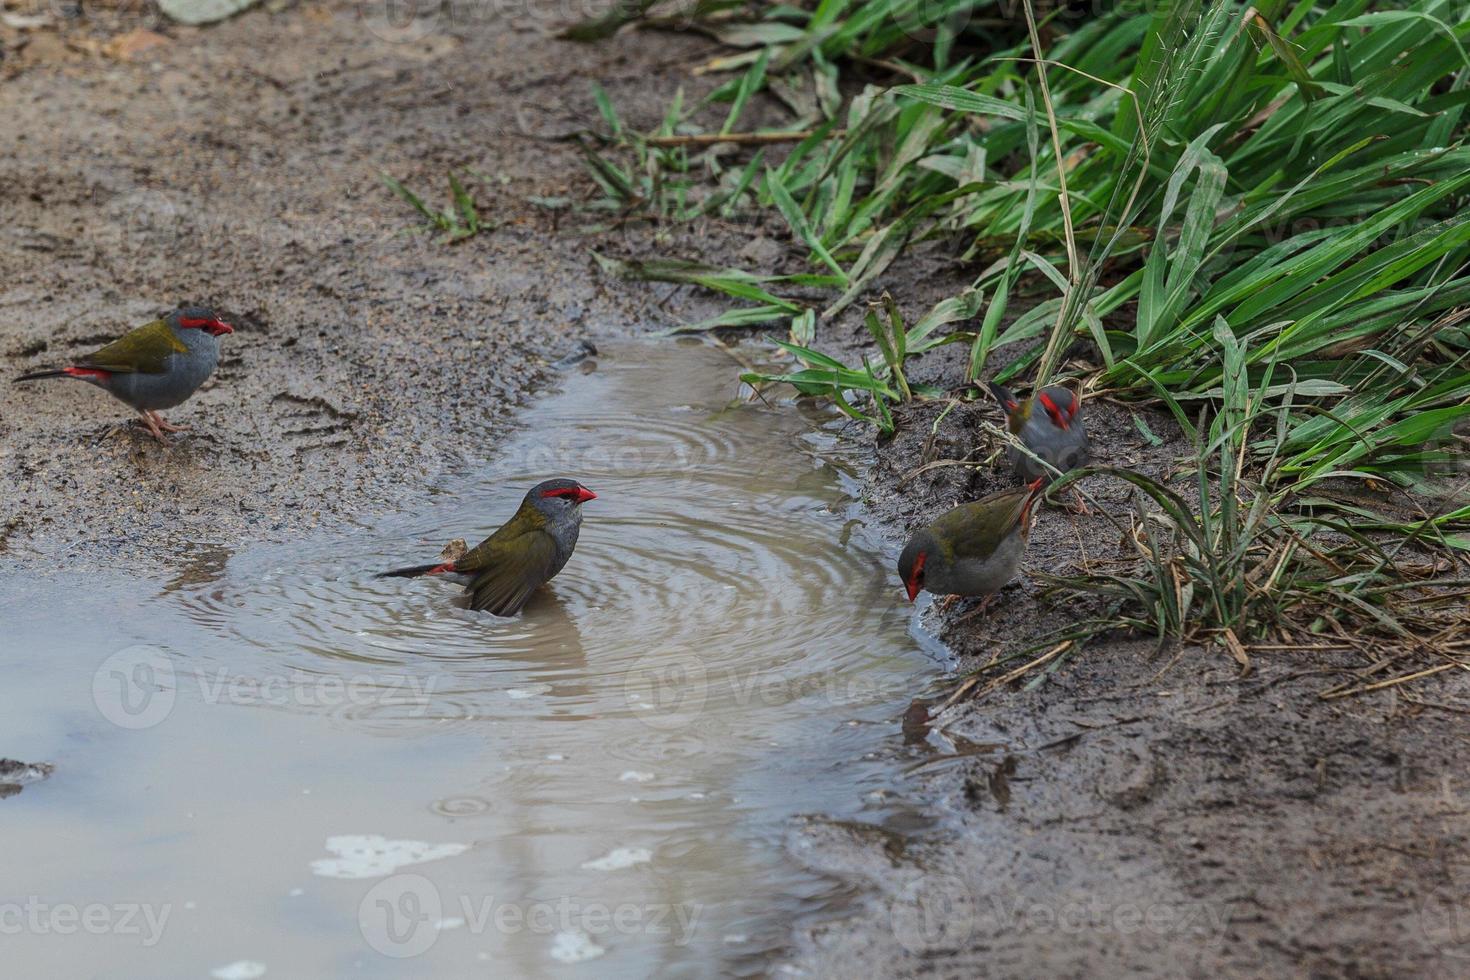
[(1006, 399), (86, 374), (38, 375), (414, 571)]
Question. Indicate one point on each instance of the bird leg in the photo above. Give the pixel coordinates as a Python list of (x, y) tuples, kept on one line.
[(943, 604), (979, 610), (167, 426), (153, 427)]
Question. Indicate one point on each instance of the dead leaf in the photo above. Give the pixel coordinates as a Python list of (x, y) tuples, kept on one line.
[(126, 47), (25, 22), (1237, 650)]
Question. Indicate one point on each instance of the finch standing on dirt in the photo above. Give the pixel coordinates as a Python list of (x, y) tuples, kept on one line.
[(156, 366), (974, 549)]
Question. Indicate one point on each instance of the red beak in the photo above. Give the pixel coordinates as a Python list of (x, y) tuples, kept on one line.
[(913, 589), (584, 495), (215, 327)]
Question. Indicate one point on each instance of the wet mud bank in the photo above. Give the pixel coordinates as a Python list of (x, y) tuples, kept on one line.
[(1139, 810)]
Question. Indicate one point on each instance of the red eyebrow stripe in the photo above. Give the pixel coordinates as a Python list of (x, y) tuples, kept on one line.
[(1052, 410)]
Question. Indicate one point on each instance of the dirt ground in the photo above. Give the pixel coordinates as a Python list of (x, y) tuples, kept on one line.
[(239, 166), (1137, 813)]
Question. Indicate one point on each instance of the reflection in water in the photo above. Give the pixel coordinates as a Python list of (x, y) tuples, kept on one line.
[(729, 653)]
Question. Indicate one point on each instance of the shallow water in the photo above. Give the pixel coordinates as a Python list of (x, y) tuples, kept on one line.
[(599, 787)]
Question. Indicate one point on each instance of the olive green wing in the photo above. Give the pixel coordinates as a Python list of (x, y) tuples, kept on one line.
[(144, 350), (510, 568), (976, 529)]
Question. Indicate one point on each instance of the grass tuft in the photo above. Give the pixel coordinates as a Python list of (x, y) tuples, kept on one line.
[(1253, 215)]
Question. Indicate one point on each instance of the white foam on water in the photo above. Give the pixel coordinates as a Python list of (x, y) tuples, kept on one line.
[(239, 970), (372, 855), (619, 858), (574, 946)]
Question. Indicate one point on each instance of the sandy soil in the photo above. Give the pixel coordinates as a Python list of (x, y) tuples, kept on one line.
[(1137, 813), (239, 166)]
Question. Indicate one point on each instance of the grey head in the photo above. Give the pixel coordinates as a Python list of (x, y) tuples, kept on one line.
[(1055, 432), (912, 562), (559, 501), (199, 328)]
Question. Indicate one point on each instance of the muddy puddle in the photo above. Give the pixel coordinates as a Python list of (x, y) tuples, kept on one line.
[(270, 764)]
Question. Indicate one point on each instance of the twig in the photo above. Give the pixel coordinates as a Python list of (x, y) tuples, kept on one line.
[(1392, 682), (712, 139), (1002, 680)]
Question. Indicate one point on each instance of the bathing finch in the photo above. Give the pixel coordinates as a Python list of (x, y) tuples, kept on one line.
[(527, 551)]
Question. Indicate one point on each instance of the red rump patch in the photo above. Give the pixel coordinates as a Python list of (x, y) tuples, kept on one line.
[(81, 372), (1035, 491)]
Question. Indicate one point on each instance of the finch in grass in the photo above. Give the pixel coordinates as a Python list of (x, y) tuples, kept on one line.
[(156, 366), (501, 572), (1050, 425), (973, 549)]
